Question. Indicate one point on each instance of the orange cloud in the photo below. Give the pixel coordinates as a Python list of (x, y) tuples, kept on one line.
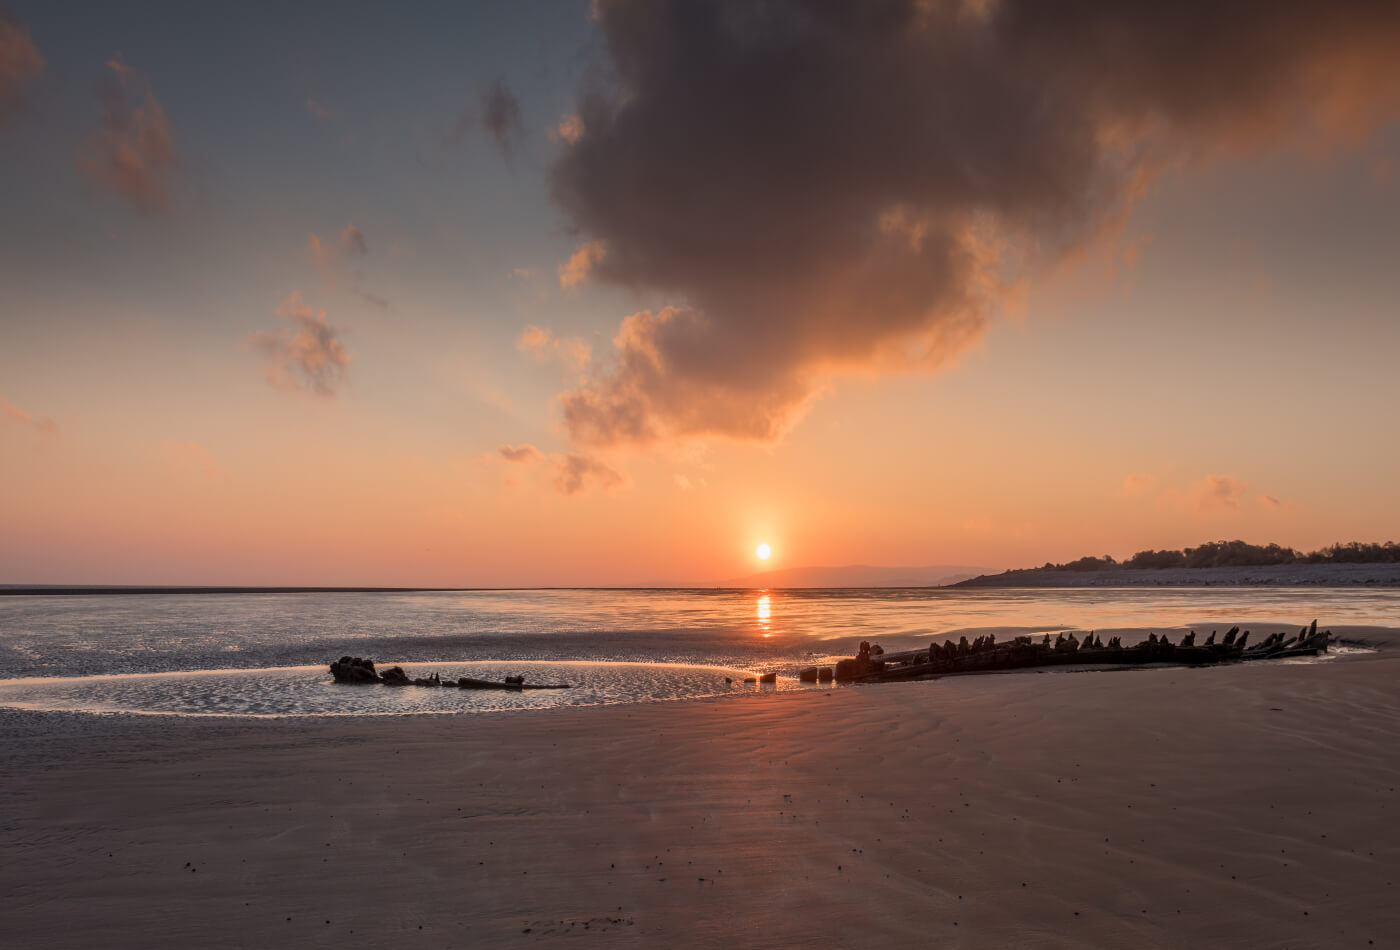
[(573, 271), (20, 61), (307, 356), (43, 424), (133, 154), (569, 129), (316, 109), (649, 395)]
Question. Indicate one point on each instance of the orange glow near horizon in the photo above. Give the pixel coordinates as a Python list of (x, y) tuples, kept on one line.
[(489, 377)]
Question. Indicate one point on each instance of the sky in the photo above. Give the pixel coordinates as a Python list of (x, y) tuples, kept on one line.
[(591, 293)]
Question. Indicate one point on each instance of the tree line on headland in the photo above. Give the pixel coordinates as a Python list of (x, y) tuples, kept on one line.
[(1235, 554)]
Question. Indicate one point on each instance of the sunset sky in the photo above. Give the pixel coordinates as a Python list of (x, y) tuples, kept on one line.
[(608, 293)]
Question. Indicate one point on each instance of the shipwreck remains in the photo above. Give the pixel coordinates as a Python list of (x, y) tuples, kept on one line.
[(354, 670), (986, 655)]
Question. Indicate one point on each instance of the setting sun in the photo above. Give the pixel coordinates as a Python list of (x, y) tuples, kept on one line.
[(763, 551)]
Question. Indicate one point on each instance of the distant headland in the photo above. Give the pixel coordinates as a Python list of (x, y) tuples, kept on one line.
[(1216, 563)]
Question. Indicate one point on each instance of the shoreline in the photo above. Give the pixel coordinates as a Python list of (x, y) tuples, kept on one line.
[(1251, 803), (1310, 576)]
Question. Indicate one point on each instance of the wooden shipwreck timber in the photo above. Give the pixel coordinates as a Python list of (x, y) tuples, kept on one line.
[(986, 655), (355, 671)]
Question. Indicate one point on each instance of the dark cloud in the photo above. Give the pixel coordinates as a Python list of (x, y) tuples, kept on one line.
[(306, 356), (20, 61), (133, 154), (824, 186), (500, 117)]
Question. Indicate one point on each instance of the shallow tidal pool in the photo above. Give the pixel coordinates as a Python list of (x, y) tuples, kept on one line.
[(310, 691)]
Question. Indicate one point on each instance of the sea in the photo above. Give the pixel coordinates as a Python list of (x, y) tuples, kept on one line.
[(266, 654)]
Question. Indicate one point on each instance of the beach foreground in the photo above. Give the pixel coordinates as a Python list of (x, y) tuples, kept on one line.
[(1249, 805)]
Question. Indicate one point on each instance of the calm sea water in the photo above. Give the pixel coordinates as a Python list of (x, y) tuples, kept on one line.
[(684, 642)]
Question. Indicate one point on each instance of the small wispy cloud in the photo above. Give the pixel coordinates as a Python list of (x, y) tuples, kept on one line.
[(542, 344), (188, 458), (501, 118), (306, 356), (15, 415), (1137, 484), (520, 453), (336, 261), (316, 109), (328, 254), (20, 61), (1215, 492), (570, 473), (574, 472), (133, 154)]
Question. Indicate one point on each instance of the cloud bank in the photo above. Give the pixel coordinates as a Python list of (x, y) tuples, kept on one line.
[(824, 187), (133, 154), (307, 356)]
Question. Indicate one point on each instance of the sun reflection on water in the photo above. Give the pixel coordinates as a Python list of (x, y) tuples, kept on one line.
[(765, 614)]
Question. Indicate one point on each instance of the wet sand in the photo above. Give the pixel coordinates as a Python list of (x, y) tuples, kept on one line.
[(1250, 805)]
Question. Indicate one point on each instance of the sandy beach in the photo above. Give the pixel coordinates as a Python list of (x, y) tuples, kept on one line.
[(1252, 805)]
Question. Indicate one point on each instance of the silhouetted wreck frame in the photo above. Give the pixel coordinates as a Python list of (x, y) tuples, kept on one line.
[(986, 655)]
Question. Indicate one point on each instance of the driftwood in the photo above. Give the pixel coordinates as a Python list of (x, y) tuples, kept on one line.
[(357, 671), (986, 655)]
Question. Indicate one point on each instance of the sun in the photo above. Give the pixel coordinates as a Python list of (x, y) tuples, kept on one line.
[(763, 551)]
